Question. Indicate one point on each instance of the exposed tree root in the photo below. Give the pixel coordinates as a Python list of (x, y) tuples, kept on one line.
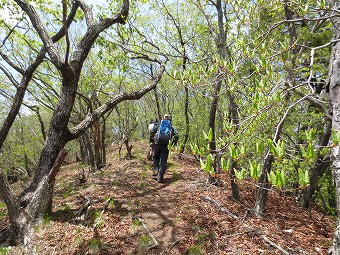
[(155, 243), (218, 205)]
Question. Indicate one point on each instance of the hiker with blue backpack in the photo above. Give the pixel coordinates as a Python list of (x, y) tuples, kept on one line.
[(161, 135)]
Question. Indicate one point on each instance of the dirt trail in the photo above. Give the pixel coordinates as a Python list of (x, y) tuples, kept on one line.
[(124, 210), (160, 206)]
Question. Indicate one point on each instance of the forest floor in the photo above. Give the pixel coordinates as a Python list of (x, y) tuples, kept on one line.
[(123, 210)]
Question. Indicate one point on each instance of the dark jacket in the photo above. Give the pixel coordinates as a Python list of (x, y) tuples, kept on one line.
[(174, 134)]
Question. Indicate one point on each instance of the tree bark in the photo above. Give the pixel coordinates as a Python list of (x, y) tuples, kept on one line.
[(36, 200), (233, 113), (262, 192), (334, 89), (320, 166)]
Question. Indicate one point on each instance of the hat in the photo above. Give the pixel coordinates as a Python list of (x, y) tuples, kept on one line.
[(167, 117)]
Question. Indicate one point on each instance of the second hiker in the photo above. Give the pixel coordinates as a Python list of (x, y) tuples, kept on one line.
[(160, 137)]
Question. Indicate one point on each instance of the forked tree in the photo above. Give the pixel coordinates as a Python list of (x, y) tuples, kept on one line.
[(36, 201)]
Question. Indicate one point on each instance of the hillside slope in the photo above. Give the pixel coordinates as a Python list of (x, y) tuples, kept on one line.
[(123, 210)]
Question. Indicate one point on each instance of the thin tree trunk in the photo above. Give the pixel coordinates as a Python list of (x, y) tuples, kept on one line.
[(261, 198), (86, 149), (187, 122), (319, 168), (157, 104), (221, 45), (233, 165), (97, 145), (262, 193), (103, 144)]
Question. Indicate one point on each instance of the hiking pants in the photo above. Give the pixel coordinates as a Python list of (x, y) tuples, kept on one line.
[(160, 158)]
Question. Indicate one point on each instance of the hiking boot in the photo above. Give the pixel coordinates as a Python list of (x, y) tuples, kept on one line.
[(155, 173), (159, 179)]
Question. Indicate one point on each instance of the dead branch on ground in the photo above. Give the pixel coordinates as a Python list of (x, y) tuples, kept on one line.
[(156, 244), (256, 231)]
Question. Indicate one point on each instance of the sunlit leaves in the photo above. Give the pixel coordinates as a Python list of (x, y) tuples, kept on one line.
[(303, 178), (259, 148), (278, 150), (308, 153), (225, 164), (208, 136), (196, 150), (254, 169), (277, 178), (207, 165), (234, 152), (240, 174), (335, 137)]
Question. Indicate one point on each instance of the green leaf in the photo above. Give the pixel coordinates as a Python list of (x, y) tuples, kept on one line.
[(277, 178), (259, 148), (208, 165), (303, 178), (240, 174), (225, 165), (243, 150), (205, 135), (310, 135), (233, 152), (255, 169), (272, 148), (211, 135), (335, 137)]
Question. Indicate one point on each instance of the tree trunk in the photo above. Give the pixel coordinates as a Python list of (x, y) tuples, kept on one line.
[(261, 197), (103, 145), (235, 194), (87, 154), (334, 89), (36, 200), (319, 168), (221, 45), (233, 115), (187, 122), (158, 104), (97, 145), (31, 206)]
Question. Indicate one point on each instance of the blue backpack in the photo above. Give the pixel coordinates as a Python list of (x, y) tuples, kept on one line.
[(163, 135)]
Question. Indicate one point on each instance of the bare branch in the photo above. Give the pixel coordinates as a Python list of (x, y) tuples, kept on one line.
[(10, 63), (9, 75), (21, 89), (87, 12), (11, 30), (93, 32), (41, 30), (96, 114), (66, 31)]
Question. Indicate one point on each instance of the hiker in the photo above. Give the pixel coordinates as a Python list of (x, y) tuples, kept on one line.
[(160, 136), (152, 124), (150, 127)]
